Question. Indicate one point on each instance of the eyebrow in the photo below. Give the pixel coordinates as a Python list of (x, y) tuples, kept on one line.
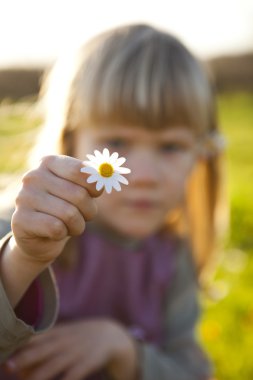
[(126, 132), (176, 134), (104, 132)]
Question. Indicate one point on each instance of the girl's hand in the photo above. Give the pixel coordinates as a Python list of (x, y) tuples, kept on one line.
[(78, 350), (53, 204)]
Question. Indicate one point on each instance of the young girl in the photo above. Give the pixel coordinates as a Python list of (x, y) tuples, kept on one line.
[(126, 263)]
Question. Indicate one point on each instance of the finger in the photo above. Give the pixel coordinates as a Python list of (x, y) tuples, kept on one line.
[(72, 193), (40, 224), (31, 355), (56, 365), (84, 367), (50, 205), (69, 168)]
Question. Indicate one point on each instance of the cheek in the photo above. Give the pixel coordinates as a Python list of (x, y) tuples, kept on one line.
[(174, 192), (175, 184)]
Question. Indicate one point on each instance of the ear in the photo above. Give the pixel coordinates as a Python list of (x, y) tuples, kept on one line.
[(211, 145)]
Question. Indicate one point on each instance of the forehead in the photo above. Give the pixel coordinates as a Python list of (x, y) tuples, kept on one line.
[(138, 133)]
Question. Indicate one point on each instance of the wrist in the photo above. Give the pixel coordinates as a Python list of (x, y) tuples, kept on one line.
[(17, 270), (22, 260)]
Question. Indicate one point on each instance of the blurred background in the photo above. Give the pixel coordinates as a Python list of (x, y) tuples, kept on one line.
[(220, 32)]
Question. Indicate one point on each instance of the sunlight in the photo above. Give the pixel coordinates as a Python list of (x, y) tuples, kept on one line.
[(38, 31)]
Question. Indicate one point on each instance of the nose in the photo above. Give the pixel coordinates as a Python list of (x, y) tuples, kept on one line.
[(145, 168)]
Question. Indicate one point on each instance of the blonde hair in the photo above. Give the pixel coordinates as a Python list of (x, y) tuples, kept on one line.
[(142, 76)]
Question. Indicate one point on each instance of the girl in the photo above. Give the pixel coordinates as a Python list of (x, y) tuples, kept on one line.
[(127, 279)]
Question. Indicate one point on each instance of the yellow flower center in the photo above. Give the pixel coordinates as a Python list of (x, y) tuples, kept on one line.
[(106, 170)]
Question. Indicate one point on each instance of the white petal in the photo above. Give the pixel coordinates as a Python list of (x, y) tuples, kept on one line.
[(116, 185), (99, 185), (88, 170), (94, 159), (123, 170), (108, 186), (93, 178), (91, 164), (113, 157), (120, 178), (106, 154), (91, 157), (120, 161), (99, 155)]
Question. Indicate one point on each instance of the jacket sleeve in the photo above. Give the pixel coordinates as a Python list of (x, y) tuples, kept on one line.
[(181, 358), (14, 332)]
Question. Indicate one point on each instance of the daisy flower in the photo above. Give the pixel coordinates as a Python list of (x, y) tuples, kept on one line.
[(106, 170)]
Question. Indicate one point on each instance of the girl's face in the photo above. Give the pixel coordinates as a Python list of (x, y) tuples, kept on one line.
[(160, 162)]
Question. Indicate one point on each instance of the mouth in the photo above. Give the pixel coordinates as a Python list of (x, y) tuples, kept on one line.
[(142, 204)]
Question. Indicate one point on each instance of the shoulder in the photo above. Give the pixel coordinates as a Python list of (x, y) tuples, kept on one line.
[(182, 306), (185, 271)]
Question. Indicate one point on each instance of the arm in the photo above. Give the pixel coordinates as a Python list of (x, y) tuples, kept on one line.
[(15, 275), (181, 357), (17, 271), (14, 330), (52, 205)]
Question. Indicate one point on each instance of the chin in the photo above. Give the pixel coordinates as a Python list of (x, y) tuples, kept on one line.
[(138, 232)]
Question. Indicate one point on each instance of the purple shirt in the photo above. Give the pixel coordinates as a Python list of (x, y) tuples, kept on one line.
[(126, 281)]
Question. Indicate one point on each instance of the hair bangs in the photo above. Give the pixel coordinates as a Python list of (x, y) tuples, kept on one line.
[(151, 82)]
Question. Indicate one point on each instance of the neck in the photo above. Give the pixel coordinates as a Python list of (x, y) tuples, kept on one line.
[(111, 234)]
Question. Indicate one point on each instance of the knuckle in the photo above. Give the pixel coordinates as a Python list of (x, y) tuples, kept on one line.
[(47, 160), (57, 230), (29, 177), (79, 228), (16, 221), (74, 221), (80, 195), (20, 197), (70, 214)]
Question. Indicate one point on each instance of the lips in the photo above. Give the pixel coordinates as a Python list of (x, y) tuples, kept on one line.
[(142, 204)]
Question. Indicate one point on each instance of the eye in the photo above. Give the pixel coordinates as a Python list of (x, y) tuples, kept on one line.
[(171, 147), (116, 143)]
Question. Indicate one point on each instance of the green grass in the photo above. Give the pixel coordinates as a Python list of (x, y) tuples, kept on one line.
[(18, 128), (236, 117), (227, 323), (226, 328)]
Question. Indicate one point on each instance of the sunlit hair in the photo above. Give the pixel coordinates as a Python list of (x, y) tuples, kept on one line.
[(143, 77), (138, 75)]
